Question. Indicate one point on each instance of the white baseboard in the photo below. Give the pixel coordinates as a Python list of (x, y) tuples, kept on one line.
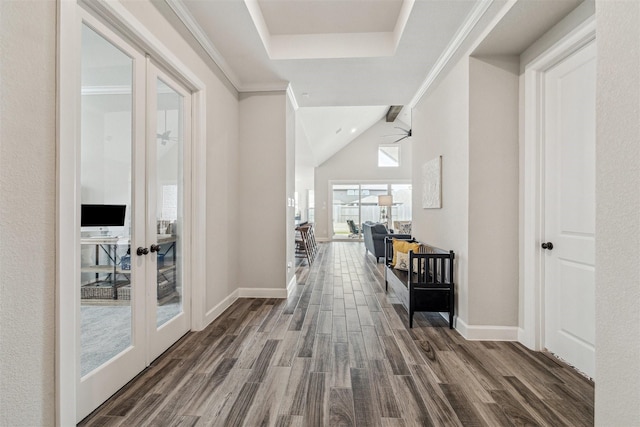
[(262, 293), (486, 332), (291, 287), (216, 311), (323, 239)]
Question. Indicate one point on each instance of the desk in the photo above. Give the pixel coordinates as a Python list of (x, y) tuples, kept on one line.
[(115, 264)]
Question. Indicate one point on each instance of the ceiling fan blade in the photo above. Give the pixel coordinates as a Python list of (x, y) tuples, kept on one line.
[(400, 139)]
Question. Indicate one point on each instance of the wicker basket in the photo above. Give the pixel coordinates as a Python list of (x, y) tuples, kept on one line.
[(124, 293), (97, 292)]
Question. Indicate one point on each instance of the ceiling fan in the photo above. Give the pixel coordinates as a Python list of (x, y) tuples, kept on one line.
[(405, 133), (166, 137)]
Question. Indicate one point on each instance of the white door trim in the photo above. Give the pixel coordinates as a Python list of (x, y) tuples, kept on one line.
[(67, 206), (67, 230), (531, 334)]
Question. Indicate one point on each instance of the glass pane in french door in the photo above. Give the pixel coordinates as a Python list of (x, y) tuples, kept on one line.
[(169, 201), (401, 202), (346, 211), (371, 210), (105, 178)]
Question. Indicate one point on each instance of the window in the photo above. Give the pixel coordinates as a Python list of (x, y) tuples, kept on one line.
[(388, 156)]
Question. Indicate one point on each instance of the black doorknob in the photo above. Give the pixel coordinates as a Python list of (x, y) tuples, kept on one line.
[(142, 251), (547, 245), (155, 248)]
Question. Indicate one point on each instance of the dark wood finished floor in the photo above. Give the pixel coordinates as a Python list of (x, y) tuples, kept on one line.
[(339, 353)]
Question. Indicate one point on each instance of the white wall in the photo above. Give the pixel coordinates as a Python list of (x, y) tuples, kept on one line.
[(27, 212), (471, 120), (262, 261), (304, 169), (441, 128), (358, 161), (618, 214), (493, 190)]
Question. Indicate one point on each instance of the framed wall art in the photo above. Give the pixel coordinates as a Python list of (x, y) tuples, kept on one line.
[(432, 184)]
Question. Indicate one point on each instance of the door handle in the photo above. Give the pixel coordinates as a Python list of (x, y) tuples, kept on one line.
[(142, 251), (547, 245), (155, 248)]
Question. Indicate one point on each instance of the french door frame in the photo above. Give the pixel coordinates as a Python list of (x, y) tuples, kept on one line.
[(71, 15), (532, 269)]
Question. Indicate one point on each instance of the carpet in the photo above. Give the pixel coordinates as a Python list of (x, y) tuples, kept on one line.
[(106, 331)]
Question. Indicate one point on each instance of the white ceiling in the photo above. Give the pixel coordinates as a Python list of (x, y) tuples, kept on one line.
[(229, 29), (322, 17), (329, 29), (346, 61), (335, 127)]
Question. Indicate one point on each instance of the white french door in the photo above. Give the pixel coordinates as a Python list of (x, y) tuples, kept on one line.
[(133, 280), (569, 246), (168, 193)]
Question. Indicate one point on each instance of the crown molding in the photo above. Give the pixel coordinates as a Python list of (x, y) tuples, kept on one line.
[(181, 11), (264, 87), (463, 32)]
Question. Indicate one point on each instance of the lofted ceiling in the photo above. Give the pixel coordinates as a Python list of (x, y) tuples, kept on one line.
[(332, 127), (345, 61)]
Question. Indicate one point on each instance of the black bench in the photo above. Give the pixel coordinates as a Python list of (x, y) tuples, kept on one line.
[(430, 288)]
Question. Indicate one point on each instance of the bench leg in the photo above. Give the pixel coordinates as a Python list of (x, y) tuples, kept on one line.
[(452, 302), (411, 306)]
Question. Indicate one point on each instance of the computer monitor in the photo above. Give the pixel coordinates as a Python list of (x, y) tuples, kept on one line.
[(102, 215)]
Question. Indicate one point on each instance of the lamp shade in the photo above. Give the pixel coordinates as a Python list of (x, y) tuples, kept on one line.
[(385, 200)]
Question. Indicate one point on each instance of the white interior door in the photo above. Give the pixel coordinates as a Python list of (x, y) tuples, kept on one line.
[(168, 199), (111, 336), (569, 224), (133, 282)]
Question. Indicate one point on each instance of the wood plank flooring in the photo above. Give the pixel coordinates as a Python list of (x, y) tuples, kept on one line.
[(339, 353)]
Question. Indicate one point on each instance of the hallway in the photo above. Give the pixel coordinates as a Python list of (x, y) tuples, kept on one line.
[(339, 352)]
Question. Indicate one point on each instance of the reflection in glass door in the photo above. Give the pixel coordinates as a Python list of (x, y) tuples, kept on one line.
[(169, 188)]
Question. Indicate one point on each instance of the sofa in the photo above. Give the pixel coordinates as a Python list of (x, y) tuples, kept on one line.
[(374, 235)]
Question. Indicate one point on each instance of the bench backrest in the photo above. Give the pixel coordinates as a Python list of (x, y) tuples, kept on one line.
[(435, 266)]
